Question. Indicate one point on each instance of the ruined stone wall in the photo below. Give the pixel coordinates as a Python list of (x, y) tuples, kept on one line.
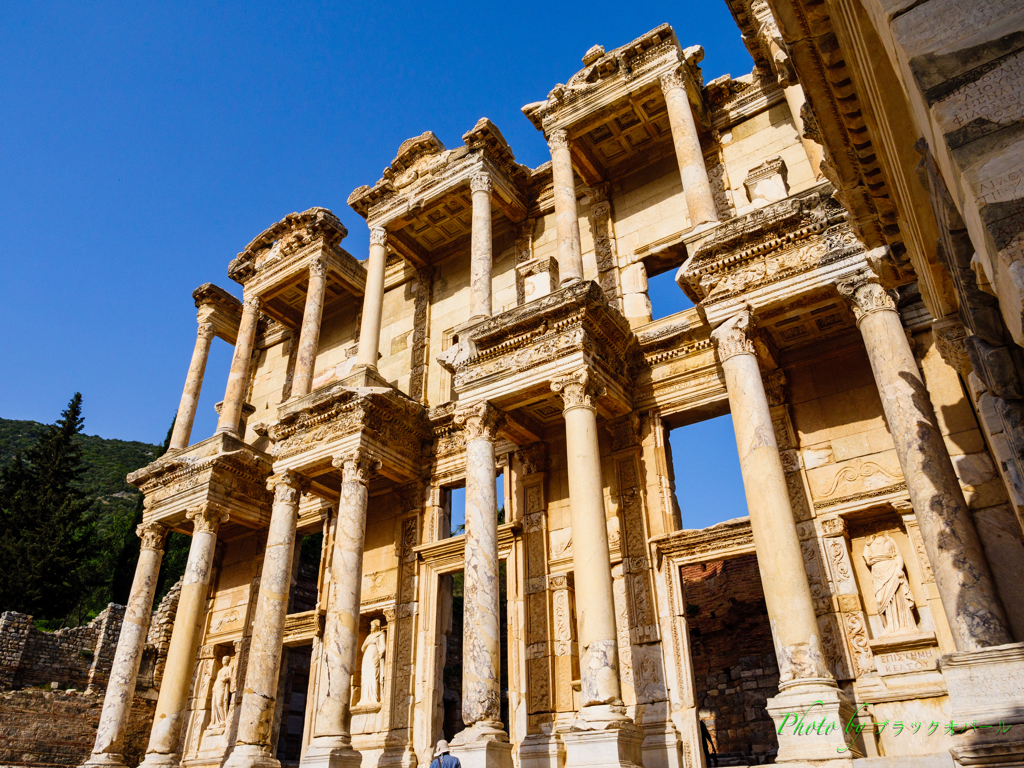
[(734, 664), (55, 728)]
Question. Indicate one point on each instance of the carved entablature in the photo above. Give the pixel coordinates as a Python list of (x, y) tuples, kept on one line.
[(283, 257), (733, 100), (220, 309), (334, 420), (532, 345), (777, 256), (221, 470), (424, 174), (732, 538)]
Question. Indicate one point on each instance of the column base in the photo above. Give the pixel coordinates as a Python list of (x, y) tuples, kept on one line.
[(105, 760), (540, 750), (331, 752), (618, 745), (160, 760), (251, 756), (365, 376), (483, 745), (811, 718)]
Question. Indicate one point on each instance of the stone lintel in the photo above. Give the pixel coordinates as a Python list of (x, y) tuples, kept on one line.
[(730, 539), (219, 470), (220, 308)]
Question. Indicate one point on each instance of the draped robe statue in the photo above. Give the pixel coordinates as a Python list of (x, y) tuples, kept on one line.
[(221, 697), (374, 648), (892, 591)]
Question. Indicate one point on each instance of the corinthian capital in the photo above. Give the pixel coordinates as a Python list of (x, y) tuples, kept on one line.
[(152, 535), (288, 486), (317, 268), (359, 466), (481, 421), (865, 293), (378, 236), (951, 341), (558, 139), (252, 303), (481, 182), (672, 79), (578, 390), (732, 337), (207, 517), (205, 331)]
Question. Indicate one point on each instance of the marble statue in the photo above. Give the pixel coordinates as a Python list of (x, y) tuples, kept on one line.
[(221, 697), (374, 648), (892, 592)]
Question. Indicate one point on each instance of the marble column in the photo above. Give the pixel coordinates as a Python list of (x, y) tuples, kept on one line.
[(238, 377), (480, 248), (373, 299), (108, 747), (481, 641), (595, 608), (193, 385), (567, 224), (975, 615), (700, 202), (263, 668), (309, 335), (804, 676), (332, 741), (185, 636)]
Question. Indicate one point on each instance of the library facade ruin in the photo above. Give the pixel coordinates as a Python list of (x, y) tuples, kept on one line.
[(501, 327)]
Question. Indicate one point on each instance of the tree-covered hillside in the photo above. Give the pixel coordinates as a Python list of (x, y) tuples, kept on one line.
[(107, 462)]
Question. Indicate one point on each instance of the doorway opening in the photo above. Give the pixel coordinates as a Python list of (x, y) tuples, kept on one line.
[(292, 693)]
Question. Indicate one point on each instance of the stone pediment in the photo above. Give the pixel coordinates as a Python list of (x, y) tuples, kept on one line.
[(291, 233)]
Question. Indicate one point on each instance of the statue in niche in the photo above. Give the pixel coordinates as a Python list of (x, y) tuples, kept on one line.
[(892, 591), (221, 697), (372, 671)]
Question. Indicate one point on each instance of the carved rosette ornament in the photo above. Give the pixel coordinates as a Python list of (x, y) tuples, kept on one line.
[(206, 331), (480, 422), (578, 390), (357, 467), (378, 236), (152, 535), (672, 79), (732, 337), (481, 182), (558, 139), (317, 268), (866, 295), (288, 486), (207, 517)]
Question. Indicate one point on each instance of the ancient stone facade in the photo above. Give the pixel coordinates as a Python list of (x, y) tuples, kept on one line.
[(501, 324)]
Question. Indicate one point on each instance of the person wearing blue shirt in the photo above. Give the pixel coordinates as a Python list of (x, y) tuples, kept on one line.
[(443, 757)]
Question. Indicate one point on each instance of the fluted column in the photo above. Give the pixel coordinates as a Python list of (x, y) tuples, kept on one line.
[(694, 173), (595, 607), (975, 616), (332, 740), (238, 378), (480, 256), (373, 299), (108, 747), (786, 592), (481, 641), (185, 636), (567, 225), (309, 335), (263, 669), (193, 385)]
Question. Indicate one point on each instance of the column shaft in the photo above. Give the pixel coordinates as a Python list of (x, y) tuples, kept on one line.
[(238, 377), (567, 225), (786, 591), (341, 633), (263, 669), (193, 385), (117, 703), (480, 256), (962, 575), (309, 336), (694, 173), (595, 606), (185, 637), (373, 299), (481, 648)]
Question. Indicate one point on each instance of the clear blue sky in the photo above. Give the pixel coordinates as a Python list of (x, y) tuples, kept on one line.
[(142, 146)]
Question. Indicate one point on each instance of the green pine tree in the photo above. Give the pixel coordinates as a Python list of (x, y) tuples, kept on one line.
[(48, 536)]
